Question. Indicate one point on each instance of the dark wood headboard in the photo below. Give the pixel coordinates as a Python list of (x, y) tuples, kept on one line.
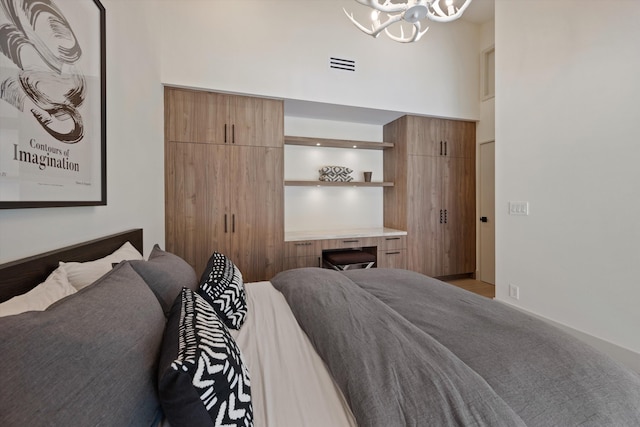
[(20, 276)]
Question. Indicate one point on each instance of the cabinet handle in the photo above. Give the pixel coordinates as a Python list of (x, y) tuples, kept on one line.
[(233, 223), (391, 253), (350, 241), (392, 238), (441, 148), (225, 133), (445, 148), (441, 217), (303, 244), (445, 216), (225, 223), (233, 134)]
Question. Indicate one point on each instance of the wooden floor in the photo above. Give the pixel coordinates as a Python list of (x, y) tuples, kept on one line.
[(476, 286)]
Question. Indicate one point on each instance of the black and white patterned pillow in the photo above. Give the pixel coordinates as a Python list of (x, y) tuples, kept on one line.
[(202, 380), (222, 286)]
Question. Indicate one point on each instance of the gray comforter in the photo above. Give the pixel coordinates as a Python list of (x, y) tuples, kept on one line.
[(408, 350)]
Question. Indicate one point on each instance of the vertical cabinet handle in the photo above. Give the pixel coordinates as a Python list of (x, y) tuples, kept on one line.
[(441, 216), (233, 223), (233, 134), (445, 148), (225, 223), (225, 133), (445, 216), (441, 148)]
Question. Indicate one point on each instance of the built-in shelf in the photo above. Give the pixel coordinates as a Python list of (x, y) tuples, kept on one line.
[(337, 184), (336, 143)]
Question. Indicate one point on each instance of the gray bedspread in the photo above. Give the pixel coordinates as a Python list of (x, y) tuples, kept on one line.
[(408, 350)]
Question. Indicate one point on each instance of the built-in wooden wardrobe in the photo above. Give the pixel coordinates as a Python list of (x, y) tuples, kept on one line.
[(433, 168), (224, 180)]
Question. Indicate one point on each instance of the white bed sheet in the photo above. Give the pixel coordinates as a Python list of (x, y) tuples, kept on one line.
[(290, 384)]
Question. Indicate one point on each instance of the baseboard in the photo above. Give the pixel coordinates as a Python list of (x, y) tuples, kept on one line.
[(627, 357)]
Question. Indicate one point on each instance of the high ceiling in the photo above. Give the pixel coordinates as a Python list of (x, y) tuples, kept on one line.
[(480, 11)]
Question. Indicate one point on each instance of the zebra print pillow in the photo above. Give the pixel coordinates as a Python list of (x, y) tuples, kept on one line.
[(202, 380), (222, 286)]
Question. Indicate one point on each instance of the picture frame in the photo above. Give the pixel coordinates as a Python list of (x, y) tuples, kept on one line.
[(53, 143)]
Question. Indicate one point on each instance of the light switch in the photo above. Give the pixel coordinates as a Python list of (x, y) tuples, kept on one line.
[(518, 208)]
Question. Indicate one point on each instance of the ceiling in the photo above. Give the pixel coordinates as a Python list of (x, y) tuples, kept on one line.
[(480, 11)]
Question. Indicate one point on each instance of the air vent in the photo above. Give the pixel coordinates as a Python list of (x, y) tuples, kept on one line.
[(342, 64)]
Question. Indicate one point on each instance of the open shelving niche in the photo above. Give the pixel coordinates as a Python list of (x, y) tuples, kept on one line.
[(337, 143)]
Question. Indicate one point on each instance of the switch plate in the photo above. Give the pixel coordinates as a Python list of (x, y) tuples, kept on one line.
[(518, 208), (514, 291)]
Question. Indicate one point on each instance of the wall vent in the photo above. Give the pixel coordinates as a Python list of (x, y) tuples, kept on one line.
[(342, 64)]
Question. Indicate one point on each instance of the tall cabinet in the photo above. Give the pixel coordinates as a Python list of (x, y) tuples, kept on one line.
[(433, 167), (224, 180)]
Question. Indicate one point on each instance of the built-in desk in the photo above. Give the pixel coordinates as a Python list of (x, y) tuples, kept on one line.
[(304, 248)]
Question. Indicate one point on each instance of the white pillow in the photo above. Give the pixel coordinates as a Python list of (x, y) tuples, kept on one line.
[(82, 274), (54, 288)]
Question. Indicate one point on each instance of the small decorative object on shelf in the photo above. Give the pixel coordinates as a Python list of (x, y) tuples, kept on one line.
[(335, 174), (367, 176)]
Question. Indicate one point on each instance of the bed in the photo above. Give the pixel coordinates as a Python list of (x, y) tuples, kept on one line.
[(375, 347)]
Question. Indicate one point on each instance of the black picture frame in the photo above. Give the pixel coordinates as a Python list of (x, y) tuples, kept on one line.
[(53, 142)]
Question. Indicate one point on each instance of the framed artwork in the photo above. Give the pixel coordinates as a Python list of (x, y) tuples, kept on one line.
[(52, 103)]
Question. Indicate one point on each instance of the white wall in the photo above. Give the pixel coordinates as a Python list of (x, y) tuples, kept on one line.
[(276, 48), (281, 48), (567, 141), (332, 208), (135, 168)]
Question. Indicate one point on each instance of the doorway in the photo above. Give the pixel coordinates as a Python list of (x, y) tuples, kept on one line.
[(487, 234)]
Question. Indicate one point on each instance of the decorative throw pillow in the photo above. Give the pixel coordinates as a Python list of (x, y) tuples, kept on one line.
[(202, 380), (166, 274), (54, 288), (81, 274), (222, 286)]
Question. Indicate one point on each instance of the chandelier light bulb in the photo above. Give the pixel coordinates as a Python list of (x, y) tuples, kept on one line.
[(410, 11)]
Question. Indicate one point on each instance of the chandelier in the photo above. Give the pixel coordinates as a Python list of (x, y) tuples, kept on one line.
[(411, 11)]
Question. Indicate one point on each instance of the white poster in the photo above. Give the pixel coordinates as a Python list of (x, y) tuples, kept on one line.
[(52, 103)]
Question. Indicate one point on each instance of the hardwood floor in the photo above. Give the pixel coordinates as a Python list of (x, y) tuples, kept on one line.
[(476, 286)]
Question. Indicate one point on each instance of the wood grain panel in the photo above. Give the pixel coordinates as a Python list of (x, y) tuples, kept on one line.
[(256, 194), (424, 239), (196, 201), (459, 230), (460, 137), (257, 122), (395, 170), (395, 258), (195, 116)]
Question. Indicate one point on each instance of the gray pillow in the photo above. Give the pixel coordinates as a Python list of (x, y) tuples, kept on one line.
[(89, 359), (166, 274)]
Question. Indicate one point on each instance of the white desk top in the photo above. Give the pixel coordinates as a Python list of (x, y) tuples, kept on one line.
[(295, 236)]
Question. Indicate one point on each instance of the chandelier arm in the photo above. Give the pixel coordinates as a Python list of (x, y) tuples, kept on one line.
[(416, 34), (386, 7), (438, 15), (376, 29)]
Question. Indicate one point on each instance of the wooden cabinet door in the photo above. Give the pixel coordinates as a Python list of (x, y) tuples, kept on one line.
[(257, 122), (257, 210), (460, 139), (425, 136), (196, 202), (459, 228), (392, 258), (424, 234), (195, 116)]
